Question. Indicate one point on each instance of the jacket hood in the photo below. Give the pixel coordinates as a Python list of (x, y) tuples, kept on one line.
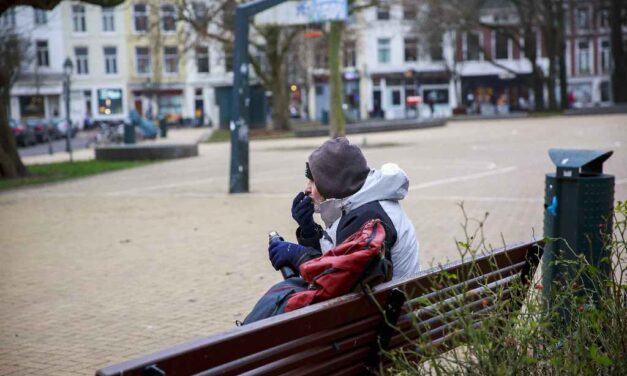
[(388, 183)]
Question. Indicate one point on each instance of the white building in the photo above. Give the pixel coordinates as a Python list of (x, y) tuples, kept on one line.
[(95, 42), (38, 91)]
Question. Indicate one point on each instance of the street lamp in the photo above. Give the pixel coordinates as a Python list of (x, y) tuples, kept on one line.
[(67, 72)]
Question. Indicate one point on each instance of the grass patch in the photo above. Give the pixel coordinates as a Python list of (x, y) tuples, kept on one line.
[(224, 135), (53, 172)]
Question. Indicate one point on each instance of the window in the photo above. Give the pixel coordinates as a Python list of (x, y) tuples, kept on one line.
[(411, 49), (199, 10), (111, 60), (350, 55), (605, 91), (583, 57), (410, 10), (109, 101), (202, 59), (108, 19), (41, 17), (168, 18), (228, 58), (435, 50), (383, 12), (171, 59), (582, 18), (501, 45), (42, 53), (140, 15), (396, 97), (170, 104), (82, 60), (605, 56), (78, 18), (383, 51), (472, 46), (142, 56), (438, 96), (321, 55), (7, 19), (604, 19)]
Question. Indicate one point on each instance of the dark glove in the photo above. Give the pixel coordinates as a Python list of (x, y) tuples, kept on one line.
[(302, 212), (285, 254)]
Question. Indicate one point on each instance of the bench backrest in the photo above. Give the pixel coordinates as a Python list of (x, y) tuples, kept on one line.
[(342, 336)]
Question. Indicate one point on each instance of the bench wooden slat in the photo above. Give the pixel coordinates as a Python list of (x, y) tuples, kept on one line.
[(466, 285), (263, 357), (315, 356), (407, 330), (277, 339), (357, 356)]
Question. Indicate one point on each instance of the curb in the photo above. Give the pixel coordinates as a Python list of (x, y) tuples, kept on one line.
[(372, 127)]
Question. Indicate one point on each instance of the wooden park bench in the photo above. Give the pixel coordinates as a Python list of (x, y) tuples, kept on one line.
[(344, 336)]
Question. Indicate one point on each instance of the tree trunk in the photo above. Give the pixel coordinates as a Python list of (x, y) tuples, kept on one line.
[(549, 31), (280, 104), (536, 80), (338, 125), (11, 165), (561, 55), (274, 78), (619, 76)]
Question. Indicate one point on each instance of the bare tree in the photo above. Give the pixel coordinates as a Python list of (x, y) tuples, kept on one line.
[(51, 4), (334, 37), (448, 17), (13, 51), (269, 47), (618, 14)]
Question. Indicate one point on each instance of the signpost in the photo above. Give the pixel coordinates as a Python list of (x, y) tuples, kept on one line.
[(303, 12)]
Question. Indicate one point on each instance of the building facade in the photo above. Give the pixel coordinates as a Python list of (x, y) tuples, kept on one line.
[(140, 56), (94, 39), (588, 53), (38, 91)]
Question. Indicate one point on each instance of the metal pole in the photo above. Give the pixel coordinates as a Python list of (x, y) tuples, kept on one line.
[(238, 182), (50, 150), (241, 109), (68, 131)]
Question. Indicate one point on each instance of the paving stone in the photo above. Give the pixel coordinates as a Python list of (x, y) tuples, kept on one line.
[(105, 268)]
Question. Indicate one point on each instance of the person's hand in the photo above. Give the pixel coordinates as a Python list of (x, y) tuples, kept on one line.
[(285, 254), (302, 212)]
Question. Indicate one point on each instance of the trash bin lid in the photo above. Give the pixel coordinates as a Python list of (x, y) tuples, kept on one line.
[(570, 161)]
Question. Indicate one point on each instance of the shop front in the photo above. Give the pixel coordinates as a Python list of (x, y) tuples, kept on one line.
[(410, 95), (351, 99), (492, 95), (160, 103)]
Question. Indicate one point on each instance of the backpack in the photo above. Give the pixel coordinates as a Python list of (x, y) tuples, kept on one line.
[(357, 262)]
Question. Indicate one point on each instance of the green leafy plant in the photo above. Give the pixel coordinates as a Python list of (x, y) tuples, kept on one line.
[(578, 327)]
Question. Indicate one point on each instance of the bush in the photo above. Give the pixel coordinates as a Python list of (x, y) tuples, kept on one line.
[(583, 331)]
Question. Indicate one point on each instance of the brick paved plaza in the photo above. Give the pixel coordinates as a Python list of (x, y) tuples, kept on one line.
[(102, 269)]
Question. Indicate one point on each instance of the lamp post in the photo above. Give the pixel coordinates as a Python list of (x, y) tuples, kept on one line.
[(67, 72)]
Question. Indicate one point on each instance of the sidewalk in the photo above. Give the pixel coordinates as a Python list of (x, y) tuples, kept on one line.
[(98, 270), (175, 136)]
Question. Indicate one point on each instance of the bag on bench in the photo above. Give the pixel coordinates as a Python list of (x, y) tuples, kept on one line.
[(359, 260)]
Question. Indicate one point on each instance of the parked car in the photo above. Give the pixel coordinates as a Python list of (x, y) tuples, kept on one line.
[(24, 136), (58, 127), (39, 127)]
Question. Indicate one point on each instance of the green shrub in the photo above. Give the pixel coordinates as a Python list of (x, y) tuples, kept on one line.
[(582, 332)]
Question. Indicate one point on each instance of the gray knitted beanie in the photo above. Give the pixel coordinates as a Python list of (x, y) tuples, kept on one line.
[(339, 169)]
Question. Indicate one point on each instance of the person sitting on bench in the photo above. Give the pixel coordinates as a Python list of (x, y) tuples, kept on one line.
[(347, 194)]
